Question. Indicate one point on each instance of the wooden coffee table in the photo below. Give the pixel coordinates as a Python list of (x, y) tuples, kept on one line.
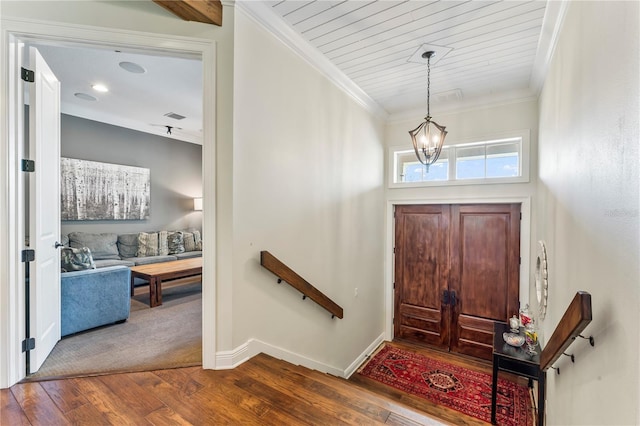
[(156, 273)]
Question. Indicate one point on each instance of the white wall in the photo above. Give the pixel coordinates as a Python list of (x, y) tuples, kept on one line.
[(588, 209), (308, 187)]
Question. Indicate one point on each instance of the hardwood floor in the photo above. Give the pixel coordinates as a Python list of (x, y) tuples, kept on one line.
[(263, 391)]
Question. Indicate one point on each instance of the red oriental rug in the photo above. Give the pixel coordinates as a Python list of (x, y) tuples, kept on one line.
[(450, 386)]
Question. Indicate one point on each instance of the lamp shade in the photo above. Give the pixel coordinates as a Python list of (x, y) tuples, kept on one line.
[(197, 204)]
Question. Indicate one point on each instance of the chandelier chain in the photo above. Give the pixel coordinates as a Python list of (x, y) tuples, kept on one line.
[(428, 84)]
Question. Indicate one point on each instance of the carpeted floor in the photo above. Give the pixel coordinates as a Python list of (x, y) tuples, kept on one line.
[(166, 336), (449, 385)]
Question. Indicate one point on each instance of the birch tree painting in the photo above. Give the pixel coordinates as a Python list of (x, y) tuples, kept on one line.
[(97, 191)]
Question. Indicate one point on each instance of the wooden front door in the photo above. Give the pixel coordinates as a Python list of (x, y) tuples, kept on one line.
[(457, 272)]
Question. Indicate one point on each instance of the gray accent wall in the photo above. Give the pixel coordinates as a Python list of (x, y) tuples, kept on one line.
[(176, 173)]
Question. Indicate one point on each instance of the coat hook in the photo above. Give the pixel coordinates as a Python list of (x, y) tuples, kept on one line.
[(592, 341), (573, 358), (304, 296), (279, 280), (557, 369)]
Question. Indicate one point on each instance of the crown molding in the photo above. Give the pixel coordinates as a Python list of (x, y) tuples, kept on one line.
[(554, 15), (261, 13), (458, 107)]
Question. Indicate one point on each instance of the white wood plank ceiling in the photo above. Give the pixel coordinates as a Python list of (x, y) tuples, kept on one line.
[(492, 44)]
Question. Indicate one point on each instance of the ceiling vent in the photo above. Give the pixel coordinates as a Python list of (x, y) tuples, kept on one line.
[(174, 116), (448, 96)]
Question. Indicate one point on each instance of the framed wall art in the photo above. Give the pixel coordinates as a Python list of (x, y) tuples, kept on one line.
[(92, 190)]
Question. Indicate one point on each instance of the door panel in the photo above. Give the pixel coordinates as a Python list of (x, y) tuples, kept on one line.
[(421, 273), (44, 201), (485, 247), (471, 251)]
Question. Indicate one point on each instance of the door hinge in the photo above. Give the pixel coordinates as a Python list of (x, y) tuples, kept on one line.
[(520, 215), (394, 250), (27, 75), (520, 260), (28, 255), (28, 166), (28, 344)]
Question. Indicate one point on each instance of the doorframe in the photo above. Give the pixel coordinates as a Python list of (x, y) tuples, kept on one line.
[(12, 360), (389, 256)]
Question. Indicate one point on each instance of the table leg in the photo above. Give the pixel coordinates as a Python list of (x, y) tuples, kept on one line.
[(153, 292), (494, 389), (542, 380)]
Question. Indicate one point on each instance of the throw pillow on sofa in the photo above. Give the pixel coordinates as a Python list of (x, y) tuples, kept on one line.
[(163, 243), (189, 241), (198, 240), (175, 242), (147, 244), (76, 259)]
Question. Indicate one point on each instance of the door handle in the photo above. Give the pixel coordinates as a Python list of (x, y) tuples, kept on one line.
[(445, 297), (453, 298), (58, 245)]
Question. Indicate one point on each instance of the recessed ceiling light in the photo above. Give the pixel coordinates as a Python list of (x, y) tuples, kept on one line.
[(85, 97), (132, 67), (100, 88)]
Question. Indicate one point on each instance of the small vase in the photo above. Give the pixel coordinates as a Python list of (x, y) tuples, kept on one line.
[(514, 324), (531, 338)]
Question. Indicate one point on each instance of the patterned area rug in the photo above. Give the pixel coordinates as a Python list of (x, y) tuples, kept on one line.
[(449, 385)]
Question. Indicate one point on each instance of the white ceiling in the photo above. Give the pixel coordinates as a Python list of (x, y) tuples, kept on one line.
[(135, 100), (486, 51)]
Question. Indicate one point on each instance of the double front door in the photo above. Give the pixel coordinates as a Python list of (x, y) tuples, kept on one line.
[(457, 271)]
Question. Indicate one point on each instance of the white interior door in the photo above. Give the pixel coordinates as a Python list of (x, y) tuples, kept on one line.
[(44, 208)]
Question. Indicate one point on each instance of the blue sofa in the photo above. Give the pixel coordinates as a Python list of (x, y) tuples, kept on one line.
[(94, 297)]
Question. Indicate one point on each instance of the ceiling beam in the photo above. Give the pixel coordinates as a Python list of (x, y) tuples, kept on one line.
[(205, 11)]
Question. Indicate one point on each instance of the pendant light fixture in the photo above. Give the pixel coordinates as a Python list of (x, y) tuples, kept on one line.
[(428, 137)]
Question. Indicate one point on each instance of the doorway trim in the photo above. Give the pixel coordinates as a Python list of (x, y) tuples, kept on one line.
[(389, 257), (12, 364)]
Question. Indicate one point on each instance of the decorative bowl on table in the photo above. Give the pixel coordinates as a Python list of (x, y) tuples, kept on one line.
[(513, 339)]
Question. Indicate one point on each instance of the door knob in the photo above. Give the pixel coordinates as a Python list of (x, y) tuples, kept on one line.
[(58, 245)]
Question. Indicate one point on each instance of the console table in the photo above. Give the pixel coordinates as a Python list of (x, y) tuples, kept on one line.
[(517, 361)]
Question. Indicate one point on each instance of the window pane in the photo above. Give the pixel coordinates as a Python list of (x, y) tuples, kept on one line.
[(417, 172), (470, 162), (503, 160)]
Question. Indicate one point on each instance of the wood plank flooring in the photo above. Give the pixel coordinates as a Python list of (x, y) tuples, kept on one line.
[(262, 391)]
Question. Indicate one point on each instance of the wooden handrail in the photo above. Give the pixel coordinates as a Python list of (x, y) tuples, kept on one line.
[(575, 319), (284, 273)]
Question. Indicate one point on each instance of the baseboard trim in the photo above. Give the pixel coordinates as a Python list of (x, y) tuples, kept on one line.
[(226, 360), (363, 357)]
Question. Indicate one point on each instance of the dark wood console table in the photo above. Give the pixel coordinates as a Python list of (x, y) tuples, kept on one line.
[(517, 361)]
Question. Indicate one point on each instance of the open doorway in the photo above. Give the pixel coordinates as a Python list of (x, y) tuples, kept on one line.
[(126, 124), (190, 51)]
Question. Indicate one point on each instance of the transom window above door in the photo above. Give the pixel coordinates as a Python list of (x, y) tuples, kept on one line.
[(493, 160)]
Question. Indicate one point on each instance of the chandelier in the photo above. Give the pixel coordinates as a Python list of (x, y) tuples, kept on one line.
[(428, 137)]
